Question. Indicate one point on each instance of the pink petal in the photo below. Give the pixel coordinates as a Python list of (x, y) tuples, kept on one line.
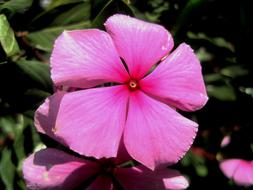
[(91, 121), (56, 170), (241, 171), (101, 183), (155, 134), (45, 116), (178, 80), (140, 44), (136, 178), (85, 58), (229, 166), (225, 141)]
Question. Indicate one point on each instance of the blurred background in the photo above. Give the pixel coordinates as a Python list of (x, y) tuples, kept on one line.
[(220, 32)]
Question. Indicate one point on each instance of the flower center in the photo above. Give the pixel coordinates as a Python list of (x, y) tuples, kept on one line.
[(133, 84), (107, 167)]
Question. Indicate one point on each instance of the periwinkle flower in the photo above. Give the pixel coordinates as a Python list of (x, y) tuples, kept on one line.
[(140, 109)]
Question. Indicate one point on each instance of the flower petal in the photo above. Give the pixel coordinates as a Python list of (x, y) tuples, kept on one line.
[(140, 44), (54, 169), (178, 80), (91, 121), (139, 177), (85, 58), (45, 115), (155, 134), (101, 183), (241, 171)]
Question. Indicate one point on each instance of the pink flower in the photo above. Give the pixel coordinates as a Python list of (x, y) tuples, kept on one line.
[(141, 108), (241, 171), (53, 169)]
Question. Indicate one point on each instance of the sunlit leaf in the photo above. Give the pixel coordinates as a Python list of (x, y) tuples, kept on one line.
[(16, 5), (7, 37), (44, 39)]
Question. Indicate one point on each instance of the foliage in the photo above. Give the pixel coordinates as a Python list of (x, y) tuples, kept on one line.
[(219, 31)]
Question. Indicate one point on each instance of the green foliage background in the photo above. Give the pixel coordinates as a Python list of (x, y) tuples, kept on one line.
[(219, 30)]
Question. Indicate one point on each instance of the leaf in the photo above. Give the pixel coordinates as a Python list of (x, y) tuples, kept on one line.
[(234, 71), (14, 126), (6, 126), (213, 77), (7, 169), (45, 38), (16, 5), (7, 37), (78, 13), (37, 93), (111, 7), (204, 55), (58, 3), (21, 184), (197, 161), (223, 93), (218, 41), (37, 71), (18, 144), (201, 170)]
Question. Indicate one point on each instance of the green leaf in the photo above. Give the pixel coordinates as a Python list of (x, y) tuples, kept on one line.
[(198, 162), (234, 71), (213, 77), (78, 13), (204, 55), (21, 184), (44, 39), (58, 3), (19, 137), (201, 170), (37, 71), (7, 37), (218, 41), (111, 7), (37, 93), (223, 93), (7, 169), (14, 126), (16, 5)]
